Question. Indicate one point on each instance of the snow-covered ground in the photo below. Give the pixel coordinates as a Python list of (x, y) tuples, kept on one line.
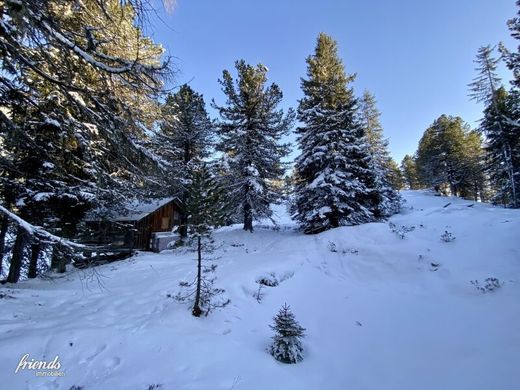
[(381, 312)]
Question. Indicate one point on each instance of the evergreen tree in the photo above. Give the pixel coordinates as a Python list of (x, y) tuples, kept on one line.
[(186, 132), (503, 146), (184, 139), (286, 346), (449, 158), (380, 158), (334, 184), (75, 94), (79, 84), (499, 126), (513, 58), (205, 209), (250, 129), (409, 170), (395, 175)]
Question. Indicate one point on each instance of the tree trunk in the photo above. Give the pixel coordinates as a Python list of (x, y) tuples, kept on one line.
[(3, 233), (248, 218), (62, 264), (36, 249), (17, 257), (55, 259), (196, 306)]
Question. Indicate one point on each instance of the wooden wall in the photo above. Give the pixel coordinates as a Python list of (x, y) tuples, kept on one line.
[(160, 220)]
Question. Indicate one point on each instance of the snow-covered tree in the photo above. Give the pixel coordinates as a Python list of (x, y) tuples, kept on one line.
[(334, 183), (503, 146), (79, 84), (186, 131), (380, 160), (286, 346), (205, 208), (184, 139), (499, 125), (250, 128)]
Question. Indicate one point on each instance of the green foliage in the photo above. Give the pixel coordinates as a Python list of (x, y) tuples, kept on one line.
[(395, 176), (250, 128), (286, 346), (409, 170), (205, 203), (334, 182), (449, 158)]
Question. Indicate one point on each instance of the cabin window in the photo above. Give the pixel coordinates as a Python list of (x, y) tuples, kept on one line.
[(165, 223), (176, 217)]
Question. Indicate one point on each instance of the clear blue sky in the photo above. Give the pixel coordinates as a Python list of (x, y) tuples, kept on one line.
[(416, 56)]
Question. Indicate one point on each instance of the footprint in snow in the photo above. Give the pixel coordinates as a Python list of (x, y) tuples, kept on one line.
[(97, 351), (112, 363)]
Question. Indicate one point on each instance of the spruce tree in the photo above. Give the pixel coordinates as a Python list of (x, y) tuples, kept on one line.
[(205, 207), (286, 346), (334, 184), (380, 161), (250, 128)]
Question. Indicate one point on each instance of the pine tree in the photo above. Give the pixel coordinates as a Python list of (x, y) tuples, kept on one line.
[(79, 85), (503, 146), (449, 158), (409, 170), (334, 184), (380, 161), (286, 346), (206, 209), (498, 125), (395, 175), (185, 139), (73, 139), (186, 132), (250, 127)]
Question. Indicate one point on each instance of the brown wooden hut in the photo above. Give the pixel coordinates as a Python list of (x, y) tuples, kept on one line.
[(133, 228)]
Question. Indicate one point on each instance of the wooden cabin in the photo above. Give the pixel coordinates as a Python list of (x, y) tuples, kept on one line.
[(133, 227)]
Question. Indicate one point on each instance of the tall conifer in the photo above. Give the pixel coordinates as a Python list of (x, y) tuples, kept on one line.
[(334, 184)]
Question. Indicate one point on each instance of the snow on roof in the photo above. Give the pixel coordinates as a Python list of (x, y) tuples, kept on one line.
[(137, 210)]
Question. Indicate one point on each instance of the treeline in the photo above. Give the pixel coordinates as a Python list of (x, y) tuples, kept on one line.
[(481, 164)]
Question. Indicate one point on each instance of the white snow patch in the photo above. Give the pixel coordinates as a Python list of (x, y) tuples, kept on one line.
[(381, 312)]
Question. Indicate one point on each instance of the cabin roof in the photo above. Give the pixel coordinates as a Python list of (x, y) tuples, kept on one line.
[(137, 210)]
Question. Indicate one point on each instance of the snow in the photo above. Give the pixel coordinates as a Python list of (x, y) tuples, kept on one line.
[(52, 122), (137, 210), (380, 311)]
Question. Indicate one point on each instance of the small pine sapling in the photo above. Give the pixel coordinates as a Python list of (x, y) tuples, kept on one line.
[(204, 207), (287, 346)]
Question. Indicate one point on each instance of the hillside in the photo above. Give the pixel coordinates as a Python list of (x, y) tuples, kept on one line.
[(381, 311)]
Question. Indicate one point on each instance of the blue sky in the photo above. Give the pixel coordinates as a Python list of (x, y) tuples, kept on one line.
[(416, 56)]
